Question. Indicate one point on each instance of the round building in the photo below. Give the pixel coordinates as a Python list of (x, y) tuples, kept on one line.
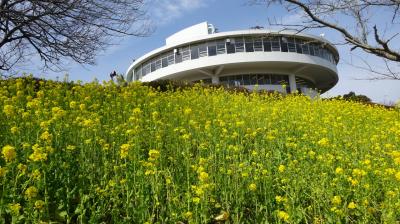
[(284, 61)]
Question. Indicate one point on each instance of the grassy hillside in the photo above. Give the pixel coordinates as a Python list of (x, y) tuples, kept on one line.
[(102, 153)]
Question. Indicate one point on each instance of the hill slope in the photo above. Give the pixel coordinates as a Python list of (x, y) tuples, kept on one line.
[(102, 153)]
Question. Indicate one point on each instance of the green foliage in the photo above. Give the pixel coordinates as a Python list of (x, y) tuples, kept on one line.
[(147, 153)]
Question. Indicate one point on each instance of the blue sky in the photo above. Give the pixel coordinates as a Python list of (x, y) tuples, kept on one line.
[(170, 16)]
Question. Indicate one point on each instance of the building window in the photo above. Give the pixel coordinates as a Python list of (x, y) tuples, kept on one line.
[(153, 65), (275, 46), (138, 73), (253, 80), (230, 46), (185, 53), (171, 58), (239, 45), (258, 45), (203, 50), (178, 56), (298, 46), (221, 47), (246, 79), (291, 44), (164, 61), (212, 49), (158, 63), (284, 44), (236, 45), (249, 44), (267, 44), (305, 48), (311, 46), (194, 52)]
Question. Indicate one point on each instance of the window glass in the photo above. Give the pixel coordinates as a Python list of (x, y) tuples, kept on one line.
[(312, 52), (153, 65), (239, 45), (203, 50), (194, 52), (212, 48), (221, 47), (249, 44), (319, 51), (185, 53), (253, 79), (258, 46), (298, 46), (178, 56), (230, 46), (138, 73), (276, 79), (223, 80), (284, 44), (305, 47), (267, 44), (146, 69), (261, 79), (171, 58), (246, 79), (275, 46), (164, 61), (158, 63), (291, 44)]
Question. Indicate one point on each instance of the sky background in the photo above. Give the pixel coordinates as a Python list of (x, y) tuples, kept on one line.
[(170, 16)]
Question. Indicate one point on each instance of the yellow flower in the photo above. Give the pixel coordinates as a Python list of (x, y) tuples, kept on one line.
[(38, 154), (203, 176), (188, 215), (352, 205), (281, 168), (46, 136), (72, 104), (3, 171), (9, 153), (187, 111), (8, 110), (339, 170), (14, 130), (154, 154), (196, 200), (124, 150), (39, 204), (31, 192), (71, 147), (280, 199), (398, 175), (282, 215), (252, 187), (336, 200), (323, 142), (22, 168), (14, 208)]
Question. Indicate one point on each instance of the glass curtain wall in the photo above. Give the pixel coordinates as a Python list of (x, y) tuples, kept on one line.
[(232, 45)]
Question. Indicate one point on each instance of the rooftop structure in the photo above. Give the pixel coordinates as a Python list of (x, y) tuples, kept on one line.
[(284, 61)]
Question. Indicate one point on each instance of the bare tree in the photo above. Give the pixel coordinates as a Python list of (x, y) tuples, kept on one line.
[(363, 33), (58, 30)]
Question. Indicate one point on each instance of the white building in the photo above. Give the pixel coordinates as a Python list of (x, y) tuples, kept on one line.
[(267, 59)]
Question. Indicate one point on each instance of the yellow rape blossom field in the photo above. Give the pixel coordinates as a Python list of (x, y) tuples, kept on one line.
[(101, 153)]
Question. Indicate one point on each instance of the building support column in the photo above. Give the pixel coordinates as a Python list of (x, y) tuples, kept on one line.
[(292, 83)]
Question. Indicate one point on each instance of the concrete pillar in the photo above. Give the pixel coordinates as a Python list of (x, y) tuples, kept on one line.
[(215, 79), (292, 83)]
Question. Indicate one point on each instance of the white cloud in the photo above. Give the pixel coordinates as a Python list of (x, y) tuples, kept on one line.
[(164, 11)]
